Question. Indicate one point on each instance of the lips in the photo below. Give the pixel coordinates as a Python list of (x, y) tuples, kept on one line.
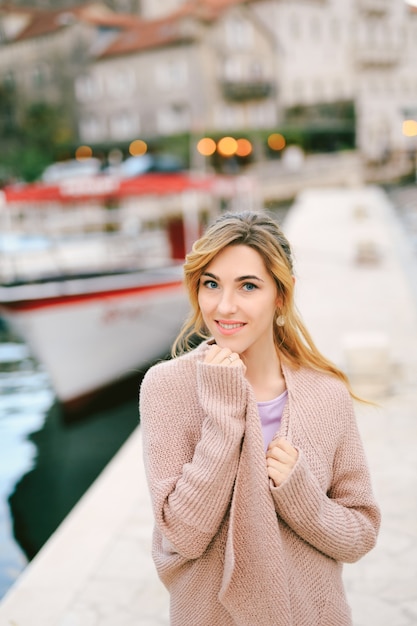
[(229, 328), (230, 325)]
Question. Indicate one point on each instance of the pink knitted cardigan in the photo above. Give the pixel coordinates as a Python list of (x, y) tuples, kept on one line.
[(230, 547)]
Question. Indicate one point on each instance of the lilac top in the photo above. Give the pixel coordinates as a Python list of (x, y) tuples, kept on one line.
[(270, 413)]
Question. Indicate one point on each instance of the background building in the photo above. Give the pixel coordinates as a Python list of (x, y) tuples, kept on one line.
[(328, 75)]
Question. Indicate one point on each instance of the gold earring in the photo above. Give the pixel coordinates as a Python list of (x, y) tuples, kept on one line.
[(280, 321)]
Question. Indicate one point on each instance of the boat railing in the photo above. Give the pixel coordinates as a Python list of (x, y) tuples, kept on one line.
[(53, 256)]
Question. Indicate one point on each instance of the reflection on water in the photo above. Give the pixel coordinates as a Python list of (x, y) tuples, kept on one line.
[(46, 464), (25, 396)]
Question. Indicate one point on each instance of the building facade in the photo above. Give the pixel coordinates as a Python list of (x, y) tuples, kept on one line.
[(207, 66), (191, 75)]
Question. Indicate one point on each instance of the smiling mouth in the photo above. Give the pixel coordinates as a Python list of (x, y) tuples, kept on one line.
[(231, 325)]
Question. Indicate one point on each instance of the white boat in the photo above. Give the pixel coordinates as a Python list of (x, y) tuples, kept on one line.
[(94, 318), (90, 332)]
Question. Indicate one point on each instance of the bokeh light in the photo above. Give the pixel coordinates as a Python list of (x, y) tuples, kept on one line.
[(138, 147), (276, 141), (227, 146), (410, 128), (244, 147), (206, 146), (83, 152)]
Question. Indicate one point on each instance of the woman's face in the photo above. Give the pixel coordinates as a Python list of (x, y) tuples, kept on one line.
[(238, 299)]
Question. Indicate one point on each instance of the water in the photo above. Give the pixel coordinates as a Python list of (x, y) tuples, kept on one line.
[(46, 464), (25, 396)]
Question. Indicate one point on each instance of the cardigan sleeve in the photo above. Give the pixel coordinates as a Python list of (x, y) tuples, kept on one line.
[(343, 522), (191, 470)]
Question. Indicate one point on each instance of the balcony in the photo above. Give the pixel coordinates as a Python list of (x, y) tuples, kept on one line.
[(374, 7), (367, 55), (241, 90)]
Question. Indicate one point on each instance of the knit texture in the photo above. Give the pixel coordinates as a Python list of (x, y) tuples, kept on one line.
[(231, 548)]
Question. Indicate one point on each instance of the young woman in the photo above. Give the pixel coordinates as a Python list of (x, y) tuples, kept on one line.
[(257, 474)]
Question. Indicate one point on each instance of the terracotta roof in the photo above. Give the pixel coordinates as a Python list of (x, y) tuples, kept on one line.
[(102, 16), (150, 35), (44, 22), (206, 9), (7, 7), (167, 30), (25, 17), (136, 35)]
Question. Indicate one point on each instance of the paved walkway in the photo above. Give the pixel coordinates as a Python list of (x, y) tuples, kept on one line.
[(353, 266), (343, 300)]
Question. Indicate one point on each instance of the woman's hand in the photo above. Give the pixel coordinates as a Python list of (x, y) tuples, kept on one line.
[(280, 460), (222, 356)]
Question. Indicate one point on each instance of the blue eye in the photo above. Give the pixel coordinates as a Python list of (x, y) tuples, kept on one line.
[(249, 287), (210, 284)]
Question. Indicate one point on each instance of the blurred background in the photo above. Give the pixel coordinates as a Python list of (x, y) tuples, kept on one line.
[(125, 126)]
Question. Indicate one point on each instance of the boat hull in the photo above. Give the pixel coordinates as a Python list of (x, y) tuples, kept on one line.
[(87, 341)]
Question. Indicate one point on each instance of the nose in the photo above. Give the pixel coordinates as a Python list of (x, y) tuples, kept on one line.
[(227, 303)]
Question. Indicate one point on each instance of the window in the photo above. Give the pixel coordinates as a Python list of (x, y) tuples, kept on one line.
[(40, 75), (297, 90), (375, 85), (172, 74), (87, 88), (256, 70), (389, 87), (239, 33), (295, 27), (235, 70), (335, 29), (9, 80), (405, 85), (123, 125), (91, 128), (173, 118), (315, 27), (229, 117), (318, 90), (262, 115), (121, 83), (232, 69), (338, 89)]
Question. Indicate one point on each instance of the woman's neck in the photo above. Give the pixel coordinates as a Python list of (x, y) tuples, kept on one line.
[(265, 376)]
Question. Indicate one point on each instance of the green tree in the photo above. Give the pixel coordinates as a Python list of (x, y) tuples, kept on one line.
[(33, 143)]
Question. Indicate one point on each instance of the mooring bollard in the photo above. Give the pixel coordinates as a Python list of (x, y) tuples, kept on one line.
[(368, 363)]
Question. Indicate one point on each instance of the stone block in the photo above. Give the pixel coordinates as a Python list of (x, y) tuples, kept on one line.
[(368, 362)]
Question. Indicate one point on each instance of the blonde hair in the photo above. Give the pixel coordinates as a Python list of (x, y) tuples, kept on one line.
[(262, 233)]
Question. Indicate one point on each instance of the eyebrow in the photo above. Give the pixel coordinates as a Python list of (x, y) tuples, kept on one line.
[(237, 280)]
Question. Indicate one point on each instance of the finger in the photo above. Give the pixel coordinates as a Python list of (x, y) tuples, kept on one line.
[(284, 445), (270, 462), (279, 442), (277, 476), (224, 357), (281, 461), (212, 353), (231, 359), (287, 447), (220, 356), (276, 453)]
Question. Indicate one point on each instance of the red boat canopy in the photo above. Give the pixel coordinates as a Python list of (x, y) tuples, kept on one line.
[(107, 187)]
